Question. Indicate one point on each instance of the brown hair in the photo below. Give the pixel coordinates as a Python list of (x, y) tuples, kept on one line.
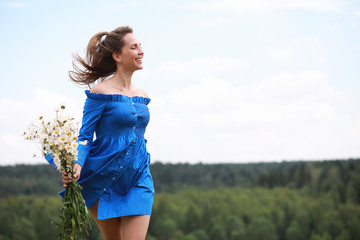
[(99, 63)]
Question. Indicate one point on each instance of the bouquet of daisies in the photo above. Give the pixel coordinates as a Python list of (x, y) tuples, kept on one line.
[(58, 142)]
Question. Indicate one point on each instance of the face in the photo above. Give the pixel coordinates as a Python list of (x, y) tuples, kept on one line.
[(131, 55)]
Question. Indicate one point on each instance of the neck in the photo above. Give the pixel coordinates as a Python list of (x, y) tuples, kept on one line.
[(122, 79)]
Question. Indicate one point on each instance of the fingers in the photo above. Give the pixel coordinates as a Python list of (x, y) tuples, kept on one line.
[(66, 179), (76, 174), (77, 171), (76, 177)]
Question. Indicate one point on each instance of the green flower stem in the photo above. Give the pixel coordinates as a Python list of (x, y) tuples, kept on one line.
[(74, 215)]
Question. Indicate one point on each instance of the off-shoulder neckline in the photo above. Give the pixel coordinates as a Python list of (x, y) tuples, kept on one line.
[(116, 97)]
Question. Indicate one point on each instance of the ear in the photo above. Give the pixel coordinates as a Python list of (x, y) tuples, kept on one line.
[(116, 57)]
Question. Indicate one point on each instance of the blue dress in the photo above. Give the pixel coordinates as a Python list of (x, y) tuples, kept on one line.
[(115, 166)]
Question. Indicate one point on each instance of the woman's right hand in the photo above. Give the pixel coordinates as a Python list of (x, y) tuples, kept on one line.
[(66, 179)]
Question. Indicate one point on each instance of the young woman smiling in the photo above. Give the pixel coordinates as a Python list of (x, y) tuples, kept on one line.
[(113, 168)]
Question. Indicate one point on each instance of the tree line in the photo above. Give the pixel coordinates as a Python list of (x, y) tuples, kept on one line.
[(217, 214), (317, 200), (342, 176), (253, 214)]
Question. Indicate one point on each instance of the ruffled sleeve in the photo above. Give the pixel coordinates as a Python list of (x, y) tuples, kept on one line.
[(93, 110)]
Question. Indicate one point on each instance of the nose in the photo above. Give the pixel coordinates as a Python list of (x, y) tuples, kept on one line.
[(141, 52)]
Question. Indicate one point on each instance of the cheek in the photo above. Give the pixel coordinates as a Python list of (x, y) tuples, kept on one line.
[(129, 56), (125, 59)]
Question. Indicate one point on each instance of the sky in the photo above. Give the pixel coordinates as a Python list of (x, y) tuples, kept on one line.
[(229, 80)]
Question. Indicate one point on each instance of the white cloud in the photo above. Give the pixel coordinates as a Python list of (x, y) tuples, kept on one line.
[(309, 40), (17, 115), (9, 140), (294, 48), (174, 74), (285, 116), (336, 27), (200, 66), (264, 5), (284, 53)]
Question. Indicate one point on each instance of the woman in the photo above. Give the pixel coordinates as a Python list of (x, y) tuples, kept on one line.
[(113, 169)]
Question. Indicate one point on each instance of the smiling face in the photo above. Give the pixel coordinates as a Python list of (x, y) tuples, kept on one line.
[(131, 55)]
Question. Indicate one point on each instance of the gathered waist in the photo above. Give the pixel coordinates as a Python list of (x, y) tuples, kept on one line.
[(121, 133), (118, 141)]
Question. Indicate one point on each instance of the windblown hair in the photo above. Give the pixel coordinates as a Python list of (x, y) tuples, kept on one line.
[(99, 63)]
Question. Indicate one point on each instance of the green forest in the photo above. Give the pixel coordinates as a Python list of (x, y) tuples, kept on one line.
[(315, 200)]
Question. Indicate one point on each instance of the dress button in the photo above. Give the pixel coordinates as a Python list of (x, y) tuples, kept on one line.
[(104, 189), (121, 166), (133, 141), (127, 153), (135, 114), (113, 178), (132, 103), (134, 127)]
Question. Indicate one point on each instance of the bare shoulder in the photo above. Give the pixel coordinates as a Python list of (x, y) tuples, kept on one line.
[(99, 88), (142, 92)]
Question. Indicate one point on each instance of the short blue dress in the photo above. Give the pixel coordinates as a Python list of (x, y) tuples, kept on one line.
[(115, 166)]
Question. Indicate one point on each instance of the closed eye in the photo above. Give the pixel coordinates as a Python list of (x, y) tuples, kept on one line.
[(134, 46)]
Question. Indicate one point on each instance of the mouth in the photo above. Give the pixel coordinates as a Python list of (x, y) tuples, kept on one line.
[(138, 60)]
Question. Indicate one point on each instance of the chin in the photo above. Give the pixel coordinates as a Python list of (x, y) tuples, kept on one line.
[(138, 68)]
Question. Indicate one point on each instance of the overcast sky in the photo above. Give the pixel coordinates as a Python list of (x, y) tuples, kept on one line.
[(230, 80)]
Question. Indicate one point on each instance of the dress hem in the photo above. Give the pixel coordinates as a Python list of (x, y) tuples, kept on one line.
[(126, 215)]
